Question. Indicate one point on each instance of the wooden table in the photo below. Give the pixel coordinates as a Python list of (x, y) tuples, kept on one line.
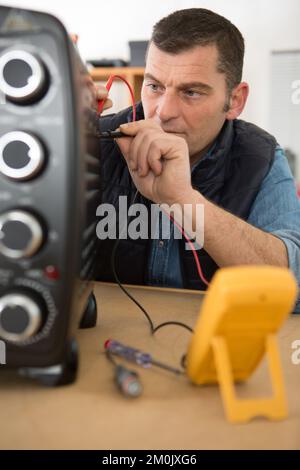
[(171, 413)]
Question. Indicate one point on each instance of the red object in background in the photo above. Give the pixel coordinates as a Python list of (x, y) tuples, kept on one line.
[(51, 272)]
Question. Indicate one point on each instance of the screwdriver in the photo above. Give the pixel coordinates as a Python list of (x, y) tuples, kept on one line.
[(128, 382), (138, 357)]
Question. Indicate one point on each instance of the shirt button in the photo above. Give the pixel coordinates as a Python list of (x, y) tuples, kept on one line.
[(161, 243)]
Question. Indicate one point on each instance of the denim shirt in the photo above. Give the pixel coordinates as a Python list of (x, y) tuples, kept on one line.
[(276, 210)]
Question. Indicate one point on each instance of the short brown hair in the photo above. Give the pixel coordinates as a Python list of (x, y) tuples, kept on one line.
[(185, 29)]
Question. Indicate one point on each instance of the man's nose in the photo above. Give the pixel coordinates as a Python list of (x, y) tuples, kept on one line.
[(168, 107)]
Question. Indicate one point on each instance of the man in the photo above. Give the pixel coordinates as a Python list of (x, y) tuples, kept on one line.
[(188, 147)]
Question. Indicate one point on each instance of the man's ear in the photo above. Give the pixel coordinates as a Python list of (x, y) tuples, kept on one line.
[(237, 100)]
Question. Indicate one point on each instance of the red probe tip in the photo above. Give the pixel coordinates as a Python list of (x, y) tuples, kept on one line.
[(106, 344)]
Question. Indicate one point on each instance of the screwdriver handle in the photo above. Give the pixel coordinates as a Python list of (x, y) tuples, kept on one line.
[(128, 382), (131, 354)]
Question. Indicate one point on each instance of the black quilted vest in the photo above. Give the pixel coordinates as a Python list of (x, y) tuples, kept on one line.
[(230, 177)]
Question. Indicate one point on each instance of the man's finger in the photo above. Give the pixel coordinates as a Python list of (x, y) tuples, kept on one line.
[(138, 153), (154, 160), (107, 103), (102, 93), (124, 145), (132, 128)]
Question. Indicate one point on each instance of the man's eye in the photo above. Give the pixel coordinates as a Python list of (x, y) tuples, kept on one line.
[(192, 93), (153, 87)]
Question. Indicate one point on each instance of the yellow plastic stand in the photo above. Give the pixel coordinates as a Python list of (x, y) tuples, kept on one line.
[(241, 314)]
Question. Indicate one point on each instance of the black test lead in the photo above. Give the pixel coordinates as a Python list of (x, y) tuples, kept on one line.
[(111, 135)]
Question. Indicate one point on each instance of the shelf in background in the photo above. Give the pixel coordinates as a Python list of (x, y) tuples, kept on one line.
[(134, 75)]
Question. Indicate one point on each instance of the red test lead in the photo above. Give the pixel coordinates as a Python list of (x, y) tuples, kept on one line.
[(108, 86)]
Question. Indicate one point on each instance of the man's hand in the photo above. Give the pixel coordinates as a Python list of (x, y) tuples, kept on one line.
[(102, 94), (158, 162), (97, 93)]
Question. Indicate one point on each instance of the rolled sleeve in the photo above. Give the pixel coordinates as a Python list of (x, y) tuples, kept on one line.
[(276, 210), (292, 243)]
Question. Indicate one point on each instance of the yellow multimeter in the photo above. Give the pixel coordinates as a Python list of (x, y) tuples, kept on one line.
[(240, 316)]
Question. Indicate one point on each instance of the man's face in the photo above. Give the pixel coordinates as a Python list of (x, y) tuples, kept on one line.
[(186, 94)]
